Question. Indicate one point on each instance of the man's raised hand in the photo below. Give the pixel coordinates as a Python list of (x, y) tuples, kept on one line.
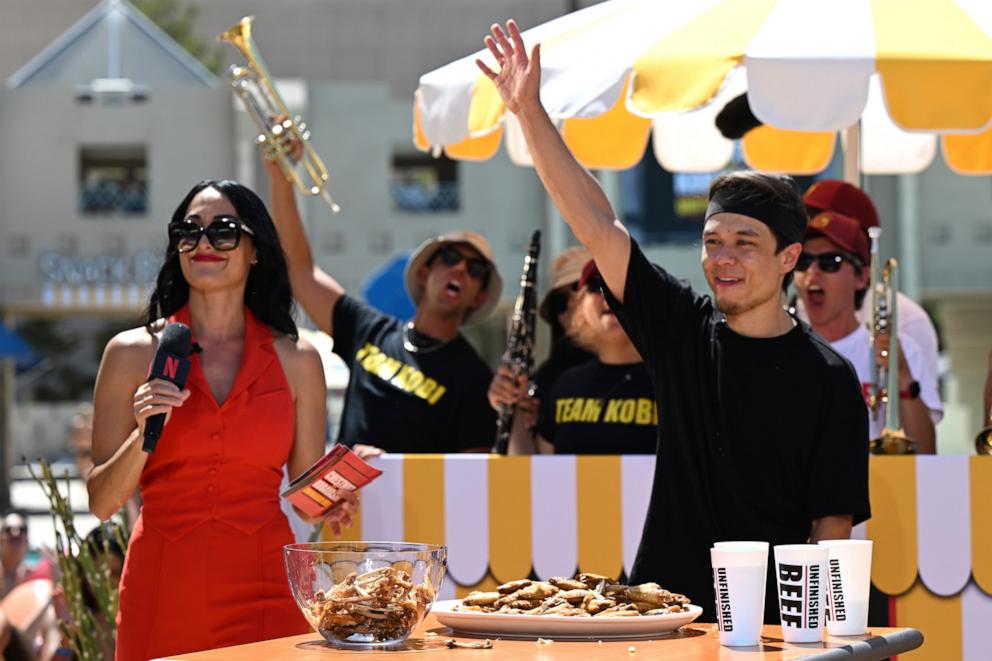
[(519, 78)]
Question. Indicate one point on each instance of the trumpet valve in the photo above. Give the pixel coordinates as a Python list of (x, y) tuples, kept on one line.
[(892, 441), (983, 442)]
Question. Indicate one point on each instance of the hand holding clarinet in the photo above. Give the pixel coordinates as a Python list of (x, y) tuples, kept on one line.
[(518, 358)]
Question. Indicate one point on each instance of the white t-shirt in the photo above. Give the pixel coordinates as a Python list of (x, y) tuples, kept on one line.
[(857, 349), (912, 320)]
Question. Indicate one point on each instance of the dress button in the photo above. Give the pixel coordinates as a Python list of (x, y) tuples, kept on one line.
[(212, 472), (210, 489), (215, 436)]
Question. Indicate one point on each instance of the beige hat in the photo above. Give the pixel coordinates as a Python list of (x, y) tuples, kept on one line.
[(565, 270), (428, 248)]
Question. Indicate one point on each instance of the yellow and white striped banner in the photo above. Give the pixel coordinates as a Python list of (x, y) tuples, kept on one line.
[(504, 517), (909, 70)]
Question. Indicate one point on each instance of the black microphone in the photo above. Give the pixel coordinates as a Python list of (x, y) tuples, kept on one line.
[(171, 364)]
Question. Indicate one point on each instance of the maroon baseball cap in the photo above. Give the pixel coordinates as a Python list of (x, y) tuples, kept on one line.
[(589, 271), (842, 230), (844, 198)]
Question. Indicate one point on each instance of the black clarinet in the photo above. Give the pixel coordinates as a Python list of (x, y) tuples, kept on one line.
[(519, 353)]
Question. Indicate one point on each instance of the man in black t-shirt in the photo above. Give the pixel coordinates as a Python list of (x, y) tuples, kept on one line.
[(415, 386), (763, 425)]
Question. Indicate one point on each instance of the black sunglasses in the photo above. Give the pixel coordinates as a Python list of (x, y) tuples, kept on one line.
[(558, 300), (476, 267), (13, 530), (223, 233), (829, 262), (594, 285)]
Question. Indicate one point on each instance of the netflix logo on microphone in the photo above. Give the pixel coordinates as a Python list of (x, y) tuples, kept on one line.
[(799, 595)]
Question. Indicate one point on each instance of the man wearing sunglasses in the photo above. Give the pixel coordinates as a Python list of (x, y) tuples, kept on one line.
[(849, 200), (418, 385), (832, 279)]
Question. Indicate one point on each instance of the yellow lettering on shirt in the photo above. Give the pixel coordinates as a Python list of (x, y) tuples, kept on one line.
[(372, 361), (591, 410), (364, 351), (629, 411), (415, 380), (401, 376), (644, 416), (438, 394), (427, 389), (569, 407), (612, 411), (388, 369)]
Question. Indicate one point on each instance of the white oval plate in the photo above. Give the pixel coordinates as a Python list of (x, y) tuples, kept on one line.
[(560, 627)]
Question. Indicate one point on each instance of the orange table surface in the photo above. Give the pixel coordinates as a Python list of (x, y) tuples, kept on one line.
[(694, 641)]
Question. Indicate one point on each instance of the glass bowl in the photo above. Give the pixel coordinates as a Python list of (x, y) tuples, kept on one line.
[(365, 594)]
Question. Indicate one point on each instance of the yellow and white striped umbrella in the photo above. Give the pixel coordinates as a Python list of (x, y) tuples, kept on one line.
[(617, 73)]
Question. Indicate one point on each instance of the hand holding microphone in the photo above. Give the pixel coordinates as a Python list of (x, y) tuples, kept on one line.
[(155, 399)]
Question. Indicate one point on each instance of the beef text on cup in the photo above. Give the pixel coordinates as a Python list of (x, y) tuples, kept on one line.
[(801, 575)]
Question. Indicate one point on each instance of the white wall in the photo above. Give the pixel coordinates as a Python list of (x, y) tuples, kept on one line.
[(188, 138)]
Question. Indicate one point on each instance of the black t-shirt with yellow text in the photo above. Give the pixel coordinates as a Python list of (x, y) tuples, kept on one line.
[(597, 408), (402, 401)]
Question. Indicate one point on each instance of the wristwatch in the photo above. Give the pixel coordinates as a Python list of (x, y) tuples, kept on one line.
[(911, 392)]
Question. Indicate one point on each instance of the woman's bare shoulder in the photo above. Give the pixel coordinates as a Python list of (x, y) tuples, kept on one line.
[(133, 344), (298, 356)]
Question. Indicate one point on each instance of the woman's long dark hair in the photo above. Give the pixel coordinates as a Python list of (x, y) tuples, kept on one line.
[(268, 293)]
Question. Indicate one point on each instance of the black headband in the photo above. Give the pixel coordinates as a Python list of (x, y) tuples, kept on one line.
[(782, 221)]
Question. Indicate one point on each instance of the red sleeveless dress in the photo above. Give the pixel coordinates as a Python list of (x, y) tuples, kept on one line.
[(204, 567)]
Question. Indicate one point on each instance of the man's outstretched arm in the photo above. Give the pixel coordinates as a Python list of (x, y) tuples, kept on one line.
[(316, 291), (575, 192)]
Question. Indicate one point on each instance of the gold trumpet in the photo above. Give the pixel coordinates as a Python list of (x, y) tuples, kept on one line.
[(983, 442), (277, 137), (884, 386)]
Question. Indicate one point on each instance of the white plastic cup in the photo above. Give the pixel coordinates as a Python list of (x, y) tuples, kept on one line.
[(735, 545), (801, 575), (849, 581), (739, 583)]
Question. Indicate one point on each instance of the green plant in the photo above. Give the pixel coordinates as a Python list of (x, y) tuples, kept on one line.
[(178, 20), (84, 574)]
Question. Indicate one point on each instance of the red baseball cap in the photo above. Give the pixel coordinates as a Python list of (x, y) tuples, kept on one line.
[(589, 271), (843, 198), (842, 230)]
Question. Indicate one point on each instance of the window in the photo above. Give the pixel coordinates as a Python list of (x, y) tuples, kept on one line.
[(424, 184), (113, 181)]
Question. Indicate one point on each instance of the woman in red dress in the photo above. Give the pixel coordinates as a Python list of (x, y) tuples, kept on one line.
[(204, 566)]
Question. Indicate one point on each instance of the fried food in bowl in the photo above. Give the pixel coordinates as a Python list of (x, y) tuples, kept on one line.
[(365, 594)]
